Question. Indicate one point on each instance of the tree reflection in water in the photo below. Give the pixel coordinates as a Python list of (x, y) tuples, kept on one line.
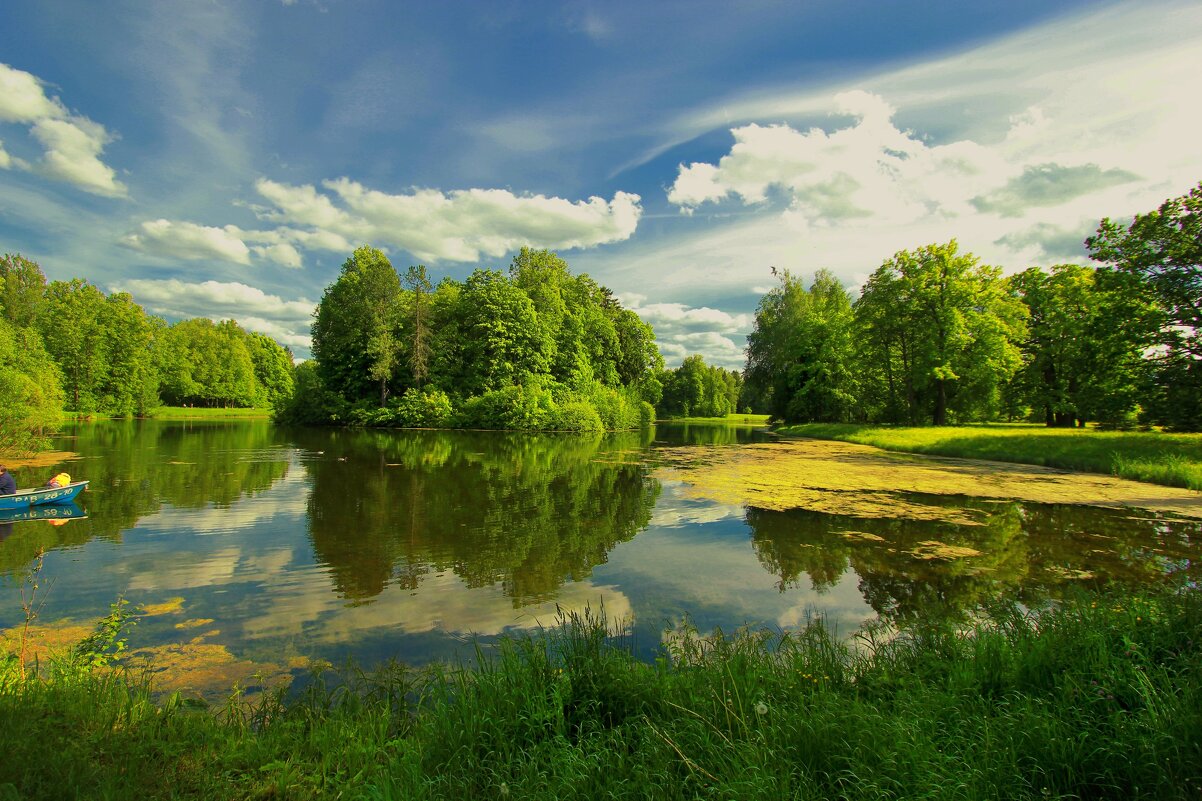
[(525, 512), (1025, 553), (136, 466)]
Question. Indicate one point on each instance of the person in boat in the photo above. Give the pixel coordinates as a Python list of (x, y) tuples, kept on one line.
[(61, 480), (8, 484)]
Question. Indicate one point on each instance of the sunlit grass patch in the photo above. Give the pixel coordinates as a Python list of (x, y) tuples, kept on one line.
[(739, 419), (190, 412), (1169, 459)]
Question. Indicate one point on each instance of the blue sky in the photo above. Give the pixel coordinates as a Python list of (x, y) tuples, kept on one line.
[(222, 159)]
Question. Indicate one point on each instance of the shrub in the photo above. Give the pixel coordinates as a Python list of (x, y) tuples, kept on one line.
[(646, 414), (577, 415), (521, 408), (425, 408)]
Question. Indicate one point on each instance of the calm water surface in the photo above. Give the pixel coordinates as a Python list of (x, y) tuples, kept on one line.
[(272, 546)]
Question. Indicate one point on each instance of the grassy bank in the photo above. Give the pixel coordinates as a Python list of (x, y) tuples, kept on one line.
[(739, 419), (189, 413), (1174, 460), (1101, 699)]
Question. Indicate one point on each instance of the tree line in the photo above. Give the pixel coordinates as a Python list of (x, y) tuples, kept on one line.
[(532, 348), (937, 337), (66, 345)]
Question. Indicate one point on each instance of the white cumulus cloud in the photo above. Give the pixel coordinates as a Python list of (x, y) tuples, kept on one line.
[(867, 170), (682, 331), (462, 225), (72, 144), (185, 240)]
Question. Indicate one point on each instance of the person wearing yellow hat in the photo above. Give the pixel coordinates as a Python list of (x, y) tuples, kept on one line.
[(61, 480)]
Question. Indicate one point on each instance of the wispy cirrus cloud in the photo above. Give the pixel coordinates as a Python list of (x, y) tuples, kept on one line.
[(71, 144)]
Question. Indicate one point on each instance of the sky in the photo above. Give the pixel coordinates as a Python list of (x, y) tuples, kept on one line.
[(223, 158)]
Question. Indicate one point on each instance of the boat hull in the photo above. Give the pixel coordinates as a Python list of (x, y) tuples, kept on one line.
[(49, 511), (23, 499)]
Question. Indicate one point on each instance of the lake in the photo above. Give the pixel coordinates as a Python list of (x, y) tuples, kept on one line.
[(249, 550)]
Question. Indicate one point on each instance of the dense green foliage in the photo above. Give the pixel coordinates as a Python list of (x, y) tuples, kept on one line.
[(800, 358), (1083, 356), (696, 389), (1162, 251), (103, 346), (1098, 697), (932, 338), (537, 348), (31, 396), (202, 363), (67, 344), (936, 337)]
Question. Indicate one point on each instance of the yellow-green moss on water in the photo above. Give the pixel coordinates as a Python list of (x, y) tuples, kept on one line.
[(863, 481)]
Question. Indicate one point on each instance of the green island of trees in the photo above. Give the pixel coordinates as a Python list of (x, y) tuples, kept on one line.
[(535, 349)]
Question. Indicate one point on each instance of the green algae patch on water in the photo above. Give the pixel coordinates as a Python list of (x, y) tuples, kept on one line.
[(863, 481), (933, 549), (206, 670)]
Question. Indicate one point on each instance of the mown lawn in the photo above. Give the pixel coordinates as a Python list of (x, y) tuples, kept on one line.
[(1174, 460), (190, 412)]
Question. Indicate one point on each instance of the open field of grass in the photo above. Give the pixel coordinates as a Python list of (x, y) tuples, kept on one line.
[(1099, 698), (1174, 460)]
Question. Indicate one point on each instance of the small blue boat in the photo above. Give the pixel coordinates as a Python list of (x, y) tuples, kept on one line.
[(23, 499)]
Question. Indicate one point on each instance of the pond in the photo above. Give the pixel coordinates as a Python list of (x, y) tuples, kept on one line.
[(249, 551)]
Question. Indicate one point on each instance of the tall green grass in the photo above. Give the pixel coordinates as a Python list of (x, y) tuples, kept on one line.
[(1173, 460), (1100, 697)]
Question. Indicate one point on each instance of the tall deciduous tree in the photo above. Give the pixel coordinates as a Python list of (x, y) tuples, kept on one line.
[(800, 353), (420, 333), (355, 326), (273, 369), (31, 399), (946, 324), (504, 343), (131, 382), (72, 325), (1083, 353), (22, 285), (1163, 249)]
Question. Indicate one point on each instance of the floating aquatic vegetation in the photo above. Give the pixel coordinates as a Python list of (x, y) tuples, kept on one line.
[(169, 607), (194, 623), (862, 481), (933, 549)]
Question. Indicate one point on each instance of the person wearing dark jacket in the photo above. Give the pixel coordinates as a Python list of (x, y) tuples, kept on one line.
[(8, 485)]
